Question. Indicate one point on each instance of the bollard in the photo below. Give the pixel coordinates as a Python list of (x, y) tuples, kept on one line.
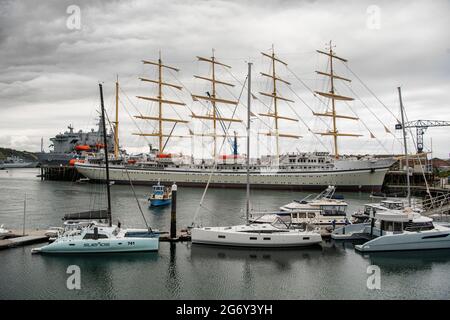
[(173, 213)]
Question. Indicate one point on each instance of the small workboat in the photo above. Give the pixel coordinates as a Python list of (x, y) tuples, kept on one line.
[(161, 195), (4, 232)]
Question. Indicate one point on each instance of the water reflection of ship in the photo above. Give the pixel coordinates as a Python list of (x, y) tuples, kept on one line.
[(279, 256), (409, 260), (73, 145)]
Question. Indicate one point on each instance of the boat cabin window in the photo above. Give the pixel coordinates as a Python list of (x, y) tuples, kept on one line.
[(91, 236), (333, 210), (419, 226), (311, 215), (392, 205)]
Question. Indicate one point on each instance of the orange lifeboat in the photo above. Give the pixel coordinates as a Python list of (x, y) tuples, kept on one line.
[(131, 161), (82, 147), (100, 146), (164, 155), (228, 156), (73, 161)]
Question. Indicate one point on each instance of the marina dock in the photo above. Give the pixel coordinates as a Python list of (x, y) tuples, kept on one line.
[(17, 239)]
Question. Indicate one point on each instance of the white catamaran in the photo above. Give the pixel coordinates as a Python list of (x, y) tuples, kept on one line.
[(275, 235), (298, 170)]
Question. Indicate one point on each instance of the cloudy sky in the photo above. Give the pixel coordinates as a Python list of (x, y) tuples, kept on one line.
[(52, 59)]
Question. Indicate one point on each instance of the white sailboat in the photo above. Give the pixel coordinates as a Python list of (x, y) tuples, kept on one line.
[(254, 235), (94, 237)]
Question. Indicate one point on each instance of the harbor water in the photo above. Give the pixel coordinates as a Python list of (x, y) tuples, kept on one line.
[(185, 271)]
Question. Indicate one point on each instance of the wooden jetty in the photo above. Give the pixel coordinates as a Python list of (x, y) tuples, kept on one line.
[(17, 239)]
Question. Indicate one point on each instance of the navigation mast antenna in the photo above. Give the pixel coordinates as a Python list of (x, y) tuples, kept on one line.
[(213, 99), (161, 100), (275, 97), (333, 96), (116, 123)]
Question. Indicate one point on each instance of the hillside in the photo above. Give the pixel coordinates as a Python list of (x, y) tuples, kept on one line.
[(6, 152)]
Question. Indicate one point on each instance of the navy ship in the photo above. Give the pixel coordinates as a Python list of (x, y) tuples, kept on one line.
[(73, 145)]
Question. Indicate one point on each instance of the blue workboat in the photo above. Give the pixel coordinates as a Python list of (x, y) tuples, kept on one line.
[(161, 196)]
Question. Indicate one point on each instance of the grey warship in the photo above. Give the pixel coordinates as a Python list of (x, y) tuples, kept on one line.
[(72, 145)]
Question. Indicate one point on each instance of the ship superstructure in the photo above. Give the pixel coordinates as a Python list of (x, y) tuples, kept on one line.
[(71, 144)]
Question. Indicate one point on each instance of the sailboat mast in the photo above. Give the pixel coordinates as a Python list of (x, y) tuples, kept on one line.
[(406, 147), (116, 123), (334, 97), (333, 110), (161, 101), (213, 102), (160, 140), (249, 100), (105, 143), (275, 105)]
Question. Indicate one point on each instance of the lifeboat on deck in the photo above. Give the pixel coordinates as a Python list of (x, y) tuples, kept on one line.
[(164, 155), (82, 147), (73, 161), (229, 156)]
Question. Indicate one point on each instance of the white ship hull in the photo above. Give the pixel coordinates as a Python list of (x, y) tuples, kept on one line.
[(362, 178)]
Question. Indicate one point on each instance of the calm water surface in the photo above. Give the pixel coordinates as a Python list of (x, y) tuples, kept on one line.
[(185, 271)]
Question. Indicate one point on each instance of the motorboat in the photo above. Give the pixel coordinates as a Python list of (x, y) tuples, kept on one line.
[(406, 230), (322, 211), (4, 232), (265, 235), (161, 196), (97, 237)]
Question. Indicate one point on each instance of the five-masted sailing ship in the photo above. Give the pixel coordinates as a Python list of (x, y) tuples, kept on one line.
[(300, 170)]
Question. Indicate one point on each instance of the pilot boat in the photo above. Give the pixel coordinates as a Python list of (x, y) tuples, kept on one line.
[(161, 195)]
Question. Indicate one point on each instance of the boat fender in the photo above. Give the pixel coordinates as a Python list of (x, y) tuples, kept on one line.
[(95, 233), (372, 170)]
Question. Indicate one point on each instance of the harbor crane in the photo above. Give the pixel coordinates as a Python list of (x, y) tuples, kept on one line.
[(421, 126)]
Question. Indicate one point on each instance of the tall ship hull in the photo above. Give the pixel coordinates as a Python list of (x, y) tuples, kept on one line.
[(345, 175)]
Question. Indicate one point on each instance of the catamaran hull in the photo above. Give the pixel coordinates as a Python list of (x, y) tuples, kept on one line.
[(261, 240), (350, 180), (101, 246), (405, 242)]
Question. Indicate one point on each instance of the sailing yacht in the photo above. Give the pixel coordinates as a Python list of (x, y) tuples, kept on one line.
[(274, 235), (100, 238), (293, 170)]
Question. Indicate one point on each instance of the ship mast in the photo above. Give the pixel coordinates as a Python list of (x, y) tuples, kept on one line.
[(116, 123), (333, 96), (275, 96), (161, 101), (213, 99)]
